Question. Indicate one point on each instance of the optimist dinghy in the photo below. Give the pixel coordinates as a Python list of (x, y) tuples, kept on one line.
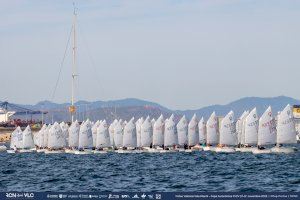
[(16, 140), (56, 140), (193, 134), (28, 143), (170, 136), (85, 142), (129, 138), (266, 132), (286, 132), (212, 129), (73, 138), (146, 135), (102, 138), (249, 132), (228, 136), (182, 131), (158, 135), (202, 132)]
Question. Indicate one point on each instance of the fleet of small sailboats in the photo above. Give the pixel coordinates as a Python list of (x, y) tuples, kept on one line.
[(249, 133)]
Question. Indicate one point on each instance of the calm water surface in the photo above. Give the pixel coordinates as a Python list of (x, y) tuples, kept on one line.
[(197, 171)]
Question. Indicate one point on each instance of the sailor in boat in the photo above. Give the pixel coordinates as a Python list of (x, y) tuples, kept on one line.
[(185, 146)]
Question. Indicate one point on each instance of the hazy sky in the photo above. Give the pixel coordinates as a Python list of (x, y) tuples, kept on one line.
[(182, 54)]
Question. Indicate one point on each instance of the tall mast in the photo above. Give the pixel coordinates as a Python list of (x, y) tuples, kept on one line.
[(72, 108)]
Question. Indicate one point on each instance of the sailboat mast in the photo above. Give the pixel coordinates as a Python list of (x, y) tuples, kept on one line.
[(72, 109)]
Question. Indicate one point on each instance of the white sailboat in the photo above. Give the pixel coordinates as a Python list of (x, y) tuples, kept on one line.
[(111, 132), (202, 131), (239, 126), (158, 133), (16, 140), (40, 139), (146, 134), (102, 138), (129, 138), (28, 143), (85, 142), (286, 132), (118, 135), (193, 134), (170, 136), (56, 139), (182, 131), (65, 130), (212, 129), (138, 126), (228, 136), (266, 132), (249, 132), (73, 138), (94, 132)]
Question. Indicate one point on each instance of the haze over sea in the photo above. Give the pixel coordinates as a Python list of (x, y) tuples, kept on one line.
[(197, 171)]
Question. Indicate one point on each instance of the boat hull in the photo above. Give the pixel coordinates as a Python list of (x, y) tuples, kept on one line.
[(10, 151), (54, 151), (224, 150), (40, 150), (83, 152), (26, 150), (209, 148), (283, 150), (261, 151)]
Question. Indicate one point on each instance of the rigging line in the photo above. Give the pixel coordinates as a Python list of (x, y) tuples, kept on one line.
[(62, 64)]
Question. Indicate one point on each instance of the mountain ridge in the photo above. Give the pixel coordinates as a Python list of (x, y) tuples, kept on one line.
[(128, 107)]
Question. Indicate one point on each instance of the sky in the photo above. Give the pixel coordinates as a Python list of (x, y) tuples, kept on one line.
[(182, 54)]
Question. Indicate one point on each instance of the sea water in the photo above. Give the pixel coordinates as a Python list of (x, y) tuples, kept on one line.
[(146, 172)]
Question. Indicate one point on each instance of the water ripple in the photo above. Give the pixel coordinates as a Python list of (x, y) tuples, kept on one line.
[(197, 171)]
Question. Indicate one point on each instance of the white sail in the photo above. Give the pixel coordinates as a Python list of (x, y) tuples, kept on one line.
[(266, 128), (111, 132), (41, 134), (153, 121), (74, 134), (56, 138), (171, 137), (46, 135), (129, 135), (158, 131), (36, 139), (202, 131), (193, 134), (212, 129), (146, 133), (94, 132), (286, 132), (118, 135), (228, 134), (250, 128), (27, 138), (182, 131), (138, 126), (85, 136), (65, 130), (102, 136), (239, 126), (16, 139)]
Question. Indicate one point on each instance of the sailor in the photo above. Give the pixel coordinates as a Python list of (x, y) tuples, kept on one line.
[(15, 148), (185, 146)]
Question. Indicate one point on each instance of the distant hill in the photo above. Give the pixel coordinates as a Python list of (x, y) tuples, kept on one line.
[(247, 103), (127, 108)]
